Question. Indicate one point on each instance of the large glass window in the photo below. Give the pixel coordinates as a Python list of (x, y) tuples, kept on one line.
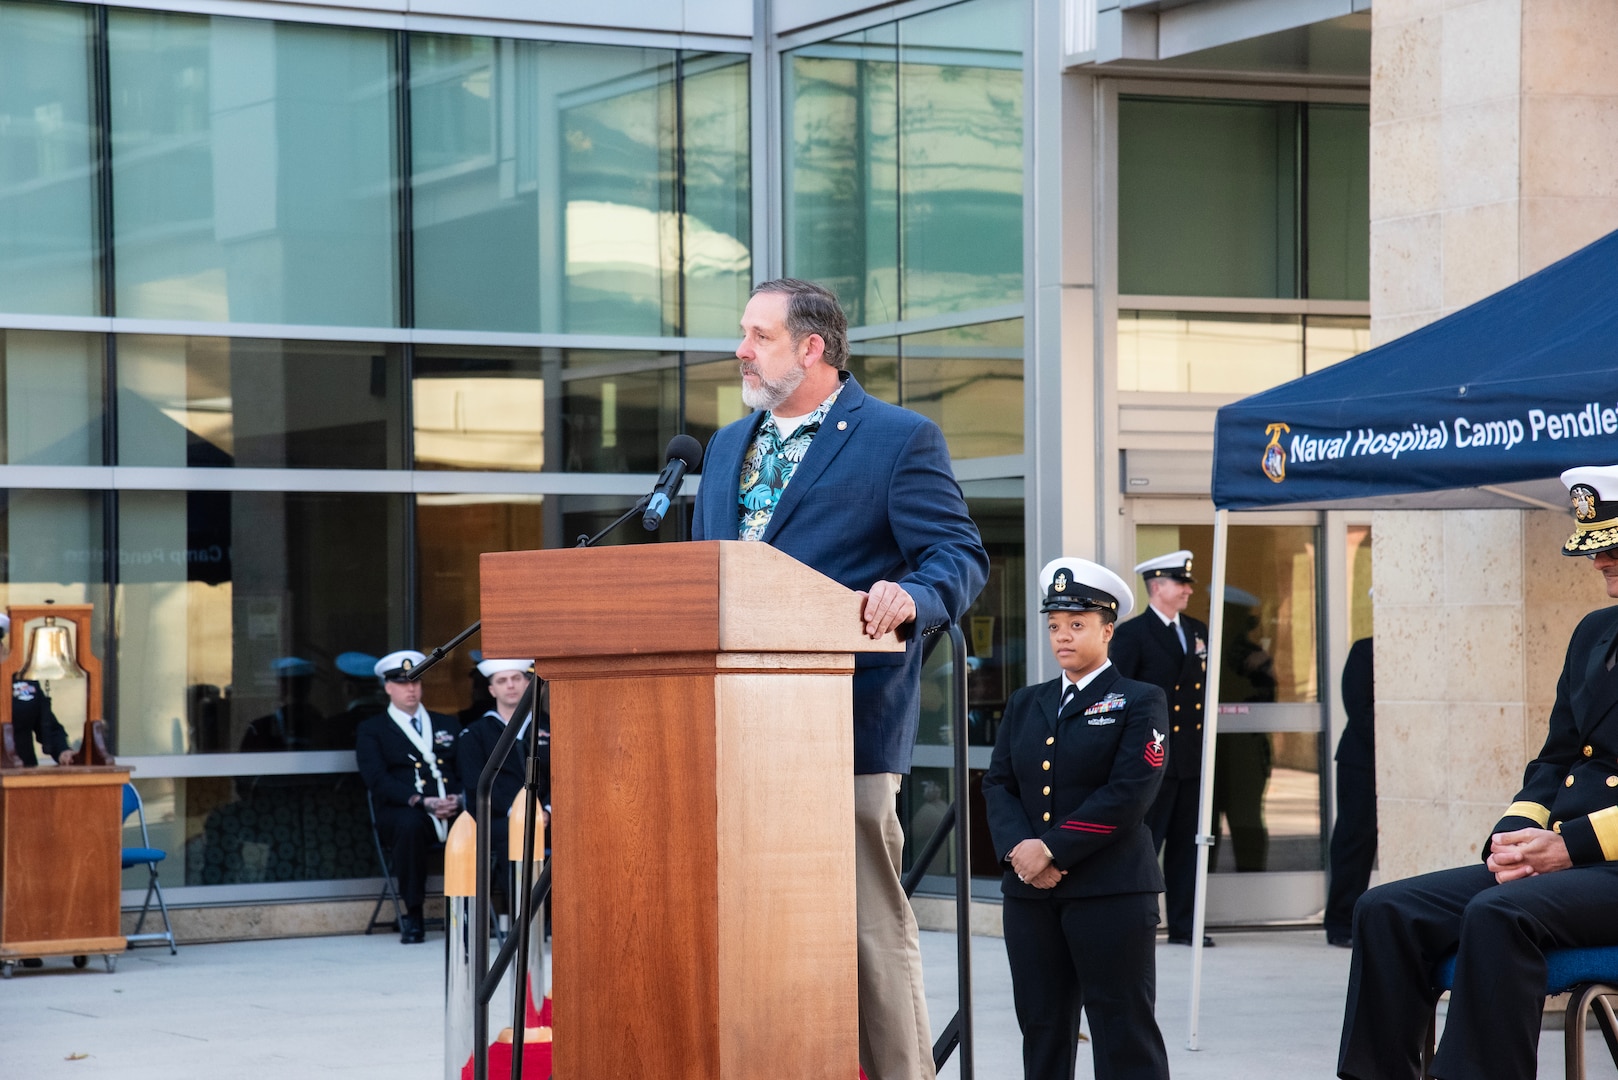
[(903, 166), (48, 240), (253, 170), (259, 402), (548, 188), (968, 380), (233, 608), (1226, 353), (1223, 198), (51, 400), (249, 830)]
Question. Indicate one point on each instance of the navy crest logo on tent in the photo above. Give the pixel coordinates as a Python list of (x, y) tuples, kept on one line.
[(1584, 502), (1275, 455)]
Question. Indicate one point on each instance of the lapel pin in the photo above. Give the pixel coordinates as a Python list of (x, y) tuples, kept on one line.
[(842, 425)]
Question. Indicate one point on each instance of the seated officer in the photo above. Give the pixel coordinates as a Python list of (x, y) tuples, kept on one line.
[(32, 718), (1548, 878), (406, 756)]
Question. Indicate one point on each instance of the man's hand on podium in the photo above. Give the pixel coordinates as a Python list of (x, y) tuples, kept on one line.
[(886, 607), (65, 757)]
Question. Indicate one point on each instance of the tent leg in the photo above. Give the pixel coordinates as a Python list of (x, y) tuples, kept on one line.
[(1210, 733)]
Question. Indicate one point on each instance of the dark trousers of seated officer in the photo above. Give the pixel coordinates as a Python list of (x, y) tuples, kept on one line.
[(1353, 847), (1402, 930), (1173, 821), (409, 838), (1096, 952)]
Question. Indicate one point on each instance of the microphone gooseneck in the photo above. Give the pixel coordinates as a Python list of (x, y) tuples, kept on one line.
[(684, 455)]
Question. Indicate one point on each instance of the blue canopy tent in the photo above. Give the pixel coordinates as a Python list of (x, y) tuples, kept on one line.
[(1496, 400)]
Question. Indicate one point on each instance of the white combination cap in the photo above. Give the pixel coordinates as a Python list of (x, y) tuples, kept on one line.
[(1594, 491), (396, 665), (1069, 584), (1176, 565), (491, 668)]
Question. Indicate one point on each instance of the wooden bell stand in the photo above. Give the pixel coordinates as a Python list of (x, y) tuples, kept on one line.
[(93, 750), (60, 828)]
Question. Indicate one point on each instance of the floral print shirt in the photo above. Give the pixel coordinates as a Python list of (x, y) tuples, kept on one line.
[(768, 465)]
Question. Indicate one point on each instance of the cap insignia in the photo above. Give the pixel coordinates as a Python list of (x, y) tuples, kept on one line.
[(1584, 502), (408, 664), (1059, 583)]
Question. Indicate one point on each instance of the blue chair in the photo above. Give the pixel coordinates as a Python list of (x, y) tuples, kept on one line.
[(1588, 976), (146, 853)]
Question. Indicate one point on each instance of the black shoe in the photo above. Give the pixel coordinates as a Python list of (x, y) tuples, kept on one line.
[(411, 931), (1175, 939), (1342, 941)]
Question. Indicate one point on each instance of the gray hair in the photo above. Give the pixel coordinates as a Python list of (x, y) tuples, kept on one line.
[(812, 309)]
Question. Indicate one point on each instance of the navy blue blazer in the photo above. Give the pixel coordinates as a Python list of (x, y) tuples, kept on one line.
[(874, 500)]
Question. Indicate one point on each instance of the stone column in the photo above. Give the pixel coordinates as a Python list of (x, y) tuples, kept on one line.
[(1492, 155)]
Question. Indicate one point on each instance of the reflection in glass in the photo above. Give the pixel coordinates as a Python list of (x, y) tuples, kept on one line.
[(481, 409), (840, 100), (1359, 582), (1267, 802), (1338, 223), (1327, 340), (242, 830), (716, 227), (48, 242), (619, 410), (960, 158), (259, 402), (1207, 353), (1207, 197), (968, 380), (546, 194), (586, 515), (903, 158), (713, 395), (451, 532), (219, 591), (51, 401), (253, 170), (875, 363), (52, 549), (1271, 651)]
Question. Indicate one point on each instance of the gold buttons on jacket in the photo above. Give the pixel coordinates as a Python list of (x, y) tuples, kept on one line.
[(1176, 686), (1199, 704), (1567, 783), (1612, 781), (1199, 686), (1047, 767), (1047, 815), (1047, 789), (1176, 708), (1556, 826), (1176, 727), (1588, 751), (1050, 740)]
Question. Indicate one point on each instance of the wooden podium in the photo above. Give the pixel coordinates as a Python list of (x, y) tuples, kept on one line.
[(702, 784)]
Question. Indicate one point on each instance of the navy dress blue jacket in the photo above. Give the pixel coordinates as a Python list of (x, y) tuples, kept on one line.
[(1082, 784), (874, 499)]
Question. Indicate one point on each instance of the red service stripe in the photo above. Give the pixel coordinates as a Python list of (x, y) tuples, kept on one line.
[(1085, 826)]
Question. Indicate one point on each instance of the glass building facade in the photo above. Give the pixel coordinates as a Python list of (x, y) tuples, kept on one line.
[(299, 316)]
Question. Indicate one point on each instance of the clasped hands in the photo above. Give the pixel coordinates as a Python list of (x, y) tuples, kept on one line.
[(1034, 866), (444, 808), (1526, 853)]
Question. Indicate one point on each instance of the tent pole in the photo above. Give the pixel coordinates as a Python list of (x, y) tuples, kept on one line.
[(1210, 733)]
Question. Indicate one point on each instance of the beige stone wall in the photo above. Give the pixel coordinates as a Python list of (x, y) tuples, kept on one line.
[(1494, 152)]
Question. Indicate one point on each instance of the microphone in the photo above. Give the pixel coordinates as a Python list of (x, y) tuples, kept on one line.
[(684, 455)]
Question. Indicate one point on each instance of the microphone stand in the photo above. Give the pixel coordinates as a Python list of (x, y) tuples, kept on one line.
[(530, 893)]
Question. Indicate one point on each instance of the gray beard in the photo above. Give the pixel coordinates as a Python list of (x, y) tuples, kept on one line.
[(769, 395)]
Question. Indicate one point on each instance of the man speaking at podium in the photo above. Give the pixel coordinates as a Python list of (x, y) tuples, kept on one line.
[(861, 491)]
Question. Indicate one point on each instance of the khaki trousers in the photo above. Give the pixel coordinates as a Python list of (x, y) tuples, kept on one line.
[(895, 1039)]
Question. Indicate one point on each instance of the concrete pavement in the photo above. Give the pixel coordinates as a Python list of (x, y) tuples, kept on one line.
[(370, 1008)]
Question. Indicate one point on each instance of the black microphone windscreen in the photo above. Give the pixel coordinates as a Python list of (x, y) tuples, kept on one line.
[(686, 449)]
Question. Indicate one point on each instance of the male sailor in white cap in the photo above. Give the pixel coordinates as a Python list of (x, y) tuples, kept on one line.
[(1547, 879), (1169, 649), (406, 756), (508, 681)]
